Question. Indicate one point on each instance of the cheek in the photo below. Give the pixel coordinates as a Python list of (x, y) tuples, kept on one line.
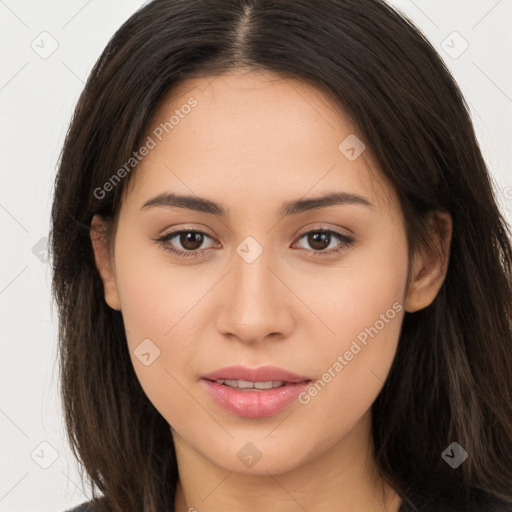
[(363, 306), (155, 295), (372, 277), (157, 302)]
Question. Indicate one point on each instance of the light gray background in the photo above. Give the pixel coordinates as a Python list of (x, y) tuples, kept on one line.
[(37, 96)]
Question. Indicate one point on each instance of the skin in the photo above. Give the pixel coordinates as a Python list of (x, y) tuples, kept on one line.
[(253, 142)]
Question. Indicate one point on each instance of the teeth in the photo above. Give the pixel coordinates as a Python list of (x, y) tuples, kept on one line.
[(245, 384)]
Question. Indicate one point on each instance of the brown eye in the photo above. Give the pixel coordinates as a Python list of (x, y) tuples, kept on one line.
[(191, 240), (188, 242), (321, 239)]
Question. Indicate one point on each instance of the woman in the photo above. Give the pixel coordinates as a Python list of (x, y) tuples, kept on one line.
[(283, 280)]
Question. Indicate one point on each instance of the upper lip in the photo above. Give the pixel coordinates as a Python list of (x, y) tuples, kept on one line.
[(262, 374)]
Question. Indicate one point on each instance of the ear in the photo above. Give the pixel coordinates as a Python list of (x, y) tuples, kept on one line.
[(104, 261), (430, 264)]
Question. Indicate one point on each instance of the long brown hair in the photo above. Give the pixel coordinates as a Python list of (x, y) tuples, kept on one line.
[(451, 379)]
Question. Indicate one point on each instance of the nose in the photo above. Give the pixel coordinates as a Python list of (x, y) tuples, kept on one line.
[(258, 304)]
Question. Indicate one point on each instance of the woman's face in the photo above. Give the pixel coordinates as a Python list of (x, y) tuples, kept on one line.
[(316, 289)]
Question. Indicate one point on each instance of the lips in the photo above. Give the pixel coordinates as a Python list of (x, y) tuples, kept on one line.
[(261, 374), (234, 389)]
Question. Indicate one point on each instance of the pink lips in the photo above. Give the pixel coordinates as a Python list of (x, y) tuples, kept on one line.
[(252, 403), (261, 374)]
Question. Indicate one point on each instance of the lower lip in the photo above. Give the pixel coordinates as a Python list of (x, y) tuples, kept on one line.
[(254, 404)]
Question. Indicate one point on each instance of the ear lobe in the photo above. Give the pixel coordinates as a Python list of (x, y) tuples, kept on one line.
[(103, 261), (430, 264)]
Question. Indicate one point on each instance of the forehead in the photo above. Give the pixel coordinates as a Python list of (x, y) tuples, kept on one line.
[(255, 133)]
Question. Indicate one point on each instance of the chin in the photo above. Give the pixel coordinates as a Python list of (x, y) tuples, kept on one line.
[(259, 457)]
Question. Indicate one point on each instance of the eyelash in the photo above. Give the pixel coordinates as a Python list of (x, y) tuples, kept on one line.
[(345, 242)]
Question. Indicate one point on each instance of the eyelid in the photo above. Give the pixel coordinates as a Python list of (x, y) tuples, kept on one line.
[(323, 227)]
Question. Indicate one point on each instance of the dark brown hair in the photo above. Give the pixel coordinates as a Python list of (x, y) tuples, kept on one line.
[(451, 379)]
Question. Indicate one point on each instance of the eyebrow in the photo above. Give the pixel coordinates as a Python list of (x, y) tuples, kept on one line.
[(199, 204)]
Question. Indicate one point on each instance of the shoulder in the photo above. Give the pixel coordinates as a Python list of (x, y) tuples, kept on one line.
[(476, 501), (83, 507)]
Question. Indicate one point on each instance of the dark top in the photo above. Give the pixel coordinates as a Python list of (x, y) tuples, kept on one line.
[(479, 502)]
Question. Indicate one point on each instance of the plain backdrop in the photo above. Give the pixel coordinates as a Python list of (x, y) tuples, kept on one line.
[(48, 49)]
